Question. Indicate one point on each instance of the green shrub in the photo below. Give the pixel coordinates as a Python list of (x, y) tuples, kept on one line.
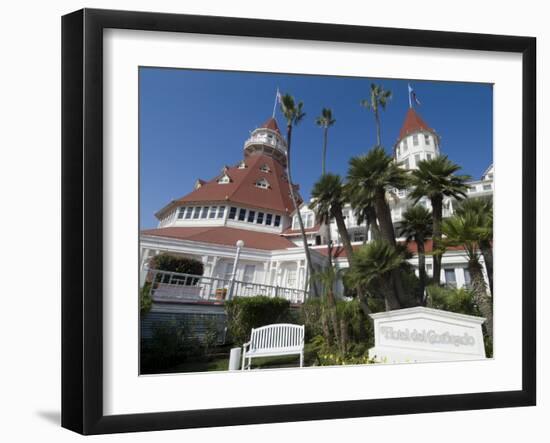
[(171, 343), (452, 299), (245, 313), (174, 263), (145, 300)]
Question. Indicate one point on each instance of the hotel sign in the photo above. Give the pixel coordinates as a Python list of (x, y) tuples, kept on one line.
[(425, 334)]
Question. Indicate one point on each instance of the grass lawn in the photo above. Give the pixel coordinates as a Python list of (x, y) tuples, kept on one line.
[(221, 362)]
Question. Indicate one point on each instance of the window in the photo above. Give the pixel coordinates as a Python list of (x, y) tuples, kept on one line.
[(265, 168), (251, 215), (309, 220), (428, 156), (221, 211), (232, 213), (417, 159), (487, 187), (248, 275), (450, 277), (213, 211), (242, 214), (181, 211), (405, 163), (291, 278), (224, 180), (359, 236), (426, 139), (197, 212), (397, 151), (472, 189), (188, 212), (242, 165), (268, 218), (295, 223), (204, 212), (405, 146), (277, 220), (228, 271), (262, 183), (415, 140), (260, 218)]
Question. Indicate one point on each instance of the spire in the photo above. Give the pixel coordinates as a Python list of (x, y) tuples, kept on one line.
[(271, 123), (413, 123)]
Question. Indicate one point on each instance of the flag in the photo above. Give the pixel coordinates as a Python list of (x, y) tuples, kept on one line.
[(278, 99), (412, 95)]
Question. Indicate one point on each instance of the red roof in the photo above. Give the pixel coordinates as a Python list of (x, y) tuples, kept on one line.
[(413, 123), (340, 251), (222, 235), (242, 188), (271, 123)]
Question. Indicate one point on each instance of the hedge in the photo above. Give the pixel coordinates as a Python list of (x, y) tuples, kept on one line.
[(245, 313), (174, 263)]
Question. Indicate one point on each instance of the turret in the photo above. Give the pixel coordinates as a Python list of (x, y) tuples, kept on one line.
[(267, 140), (416, 142)]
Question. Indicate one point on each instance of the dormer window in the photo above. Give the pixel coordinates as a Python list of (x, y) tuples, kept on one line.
[(242, 165), (265, 168), (224, 179), (262, 183)]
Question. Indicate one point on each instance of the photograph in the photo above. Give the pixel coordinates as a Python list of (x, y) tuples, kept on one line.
[(290, 221)]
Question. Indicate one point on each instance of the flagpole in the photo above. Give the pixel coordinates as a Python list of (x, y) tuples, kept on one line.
[(410, 102), (275, 104)]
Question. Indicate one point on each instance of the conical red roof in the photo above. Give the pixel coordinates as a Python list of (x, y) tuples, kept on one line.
[(413, 123), (271, 123), (242, 187)]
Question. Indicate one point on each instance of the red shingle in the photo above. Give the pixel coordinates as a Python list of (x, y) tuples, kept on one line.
[(222, 235), (413, 123), (242, 189)]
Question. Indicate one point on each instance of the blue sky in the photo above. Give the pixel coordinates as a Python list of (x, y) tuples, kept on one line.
[(192, 123)]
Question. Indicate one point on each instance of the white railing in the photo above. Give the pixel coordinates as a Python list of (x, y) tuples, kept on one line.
[(173, 286)]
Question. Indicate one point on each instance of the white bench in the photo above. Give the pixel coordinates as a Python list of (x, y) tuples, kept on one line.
[(274, 340)]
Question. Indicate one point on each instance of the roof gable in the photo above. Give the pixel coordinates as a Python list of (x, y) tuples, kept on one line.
[(413, 123)]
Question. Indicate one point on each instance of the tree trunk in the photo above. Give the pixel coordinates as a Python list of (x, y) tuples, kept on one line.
[(344, 234), (392, 302), (421, 269), (378, 138), (437, 215), (487, 252), (372, 222), (325, 138), (329, 248), (383, 215), (297, 208), (481, 297)]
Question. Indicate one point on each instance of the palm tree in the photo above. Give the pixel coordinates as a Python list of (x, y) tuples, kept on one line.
[(372, 270), (294, 114), (436, 179), (463, 230), (328, 199), (325, 121), (483, 208), (378, 99), (417, 226), (375, 173)]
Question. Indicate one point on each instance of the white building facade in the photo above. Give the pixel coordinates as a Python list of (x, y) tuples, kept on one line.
[(249, 203)]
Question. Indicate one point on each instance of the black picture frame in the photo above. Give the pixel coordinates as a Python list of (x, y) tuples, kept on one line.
[(82, 218)]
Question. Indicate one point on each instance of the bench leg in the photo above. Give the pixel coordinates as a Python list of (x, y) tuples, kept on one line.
[(301, 359), (249, 363)]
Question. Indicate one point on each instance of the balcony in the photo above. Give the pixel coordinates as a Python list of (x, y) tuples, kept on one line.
[(176, 287)]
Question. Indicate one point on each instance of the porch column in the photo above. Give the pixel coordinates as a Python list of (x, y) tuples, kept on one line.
[(143, 269)]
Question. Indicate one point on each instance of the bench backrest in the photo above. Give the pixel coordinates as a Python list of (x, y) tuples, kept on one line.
[(282, 335)]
